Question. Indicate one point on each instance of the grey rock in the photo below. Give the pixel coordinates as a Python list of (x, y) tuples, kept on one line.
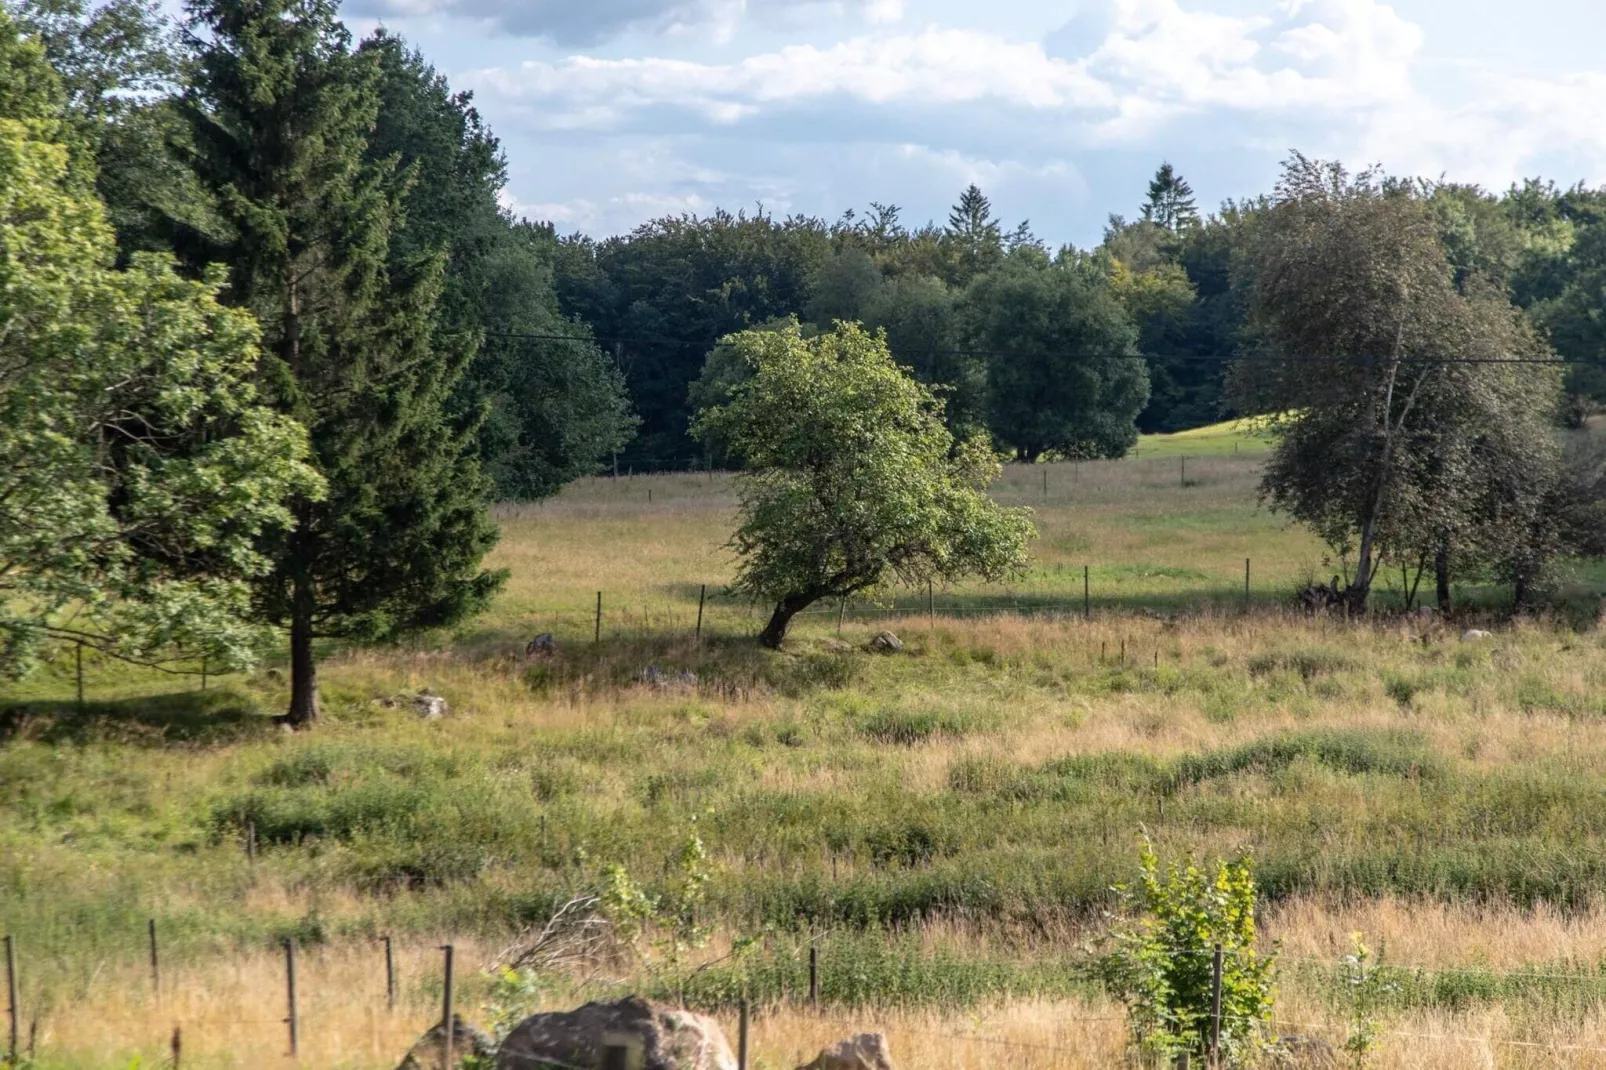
[(662, 1038), (428, 705), (867, 1051), (886, 643), (542, 646), (466, 1041), (1474, 635)]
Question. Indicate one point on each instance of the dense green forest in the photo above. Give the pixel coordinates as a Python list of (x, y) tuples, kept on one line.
[(991, 314)]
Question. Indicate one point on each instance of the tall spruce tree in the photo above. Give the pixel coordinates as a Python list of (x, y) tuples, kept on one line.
[(281, 109), (975, 234), (1170, 204)]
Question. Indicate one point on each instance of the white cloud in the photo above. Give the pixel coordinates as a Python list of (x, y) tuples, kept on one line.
[(1157, 62), (936, 107), (586, 22)]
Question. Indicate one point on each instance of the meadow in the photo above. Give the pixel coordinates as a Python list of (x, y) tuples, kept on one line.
[(945, 825)]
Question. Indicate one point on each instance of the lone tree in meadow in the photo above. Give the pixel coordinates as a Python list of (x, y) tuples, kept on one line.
[(852, 480)]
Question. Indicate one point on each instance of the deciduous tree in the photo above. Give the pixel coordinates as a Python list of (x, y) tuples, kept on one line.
[(137, 468), (853, 482)]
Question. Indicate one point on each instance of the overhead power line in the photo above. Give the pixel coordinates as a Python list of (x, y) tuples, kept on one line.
[(1203, 358)]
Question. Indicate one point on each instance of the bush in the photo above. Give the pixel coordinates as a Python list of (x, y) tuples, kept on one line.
[(1162, 968)]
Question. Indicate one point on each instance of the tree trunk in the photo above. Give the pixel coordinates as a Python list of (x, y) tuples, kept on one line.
[(303, 665), (774, 632), (1441, 575)]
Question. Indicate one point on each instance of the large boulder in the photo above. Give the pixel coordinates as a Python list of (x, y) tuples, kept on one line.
[(669, 1038), (886, 643), (867, 1051), (466, 1042)]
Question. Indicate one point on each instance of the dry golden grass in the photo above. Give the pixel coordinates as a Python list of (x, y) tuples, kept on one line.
[(231, 1015)]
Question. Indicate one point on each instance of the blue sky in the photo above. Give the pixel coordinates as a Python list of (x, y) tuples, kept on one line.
[(615, 111)]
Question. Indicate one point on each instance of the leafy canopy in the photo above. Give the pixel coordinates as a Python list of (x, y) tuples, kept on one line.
[(853, 481), (137, 469)]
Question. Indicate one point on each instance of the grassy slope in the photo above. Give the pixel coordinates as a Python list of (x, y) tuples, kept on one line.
[(995, 778)]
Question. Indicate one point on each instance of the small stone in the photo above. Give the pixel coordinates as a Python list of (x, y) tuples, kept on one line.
[(542, 646), (428, 705), (837, 646), (867, 1051), (886, 643), (1474, 635)]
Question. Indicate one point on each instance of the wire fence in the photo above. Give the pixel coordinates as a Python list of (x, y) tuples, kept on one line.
[(300, 1022)]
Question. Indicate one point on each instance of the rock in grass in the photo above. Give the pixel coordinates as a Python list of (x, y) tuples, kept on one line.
[(428, 705), (1474, 635), (542, 646), (867, 1051), (886, 643), (662, 1038), (467, 1042)]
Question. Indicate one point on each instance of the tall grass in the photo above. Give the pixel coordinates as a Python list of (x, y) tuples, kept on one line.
[(947, 822)]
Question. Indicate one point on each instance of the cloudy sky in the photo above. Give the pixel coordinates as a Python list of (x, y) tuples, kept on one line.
[(616, 111)]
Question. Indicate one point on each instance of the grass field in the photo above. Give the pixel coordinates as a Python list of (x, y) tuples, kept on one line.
[(945, 825)]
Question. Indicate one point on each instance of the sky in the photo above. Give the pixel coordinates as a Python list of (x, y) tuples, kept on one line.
[(614, 112)]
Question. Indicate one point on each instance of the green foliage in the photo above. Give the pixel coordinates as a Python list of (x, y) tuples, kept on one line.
[(139, 467), (546, 410), (1060, 373), (853, 481), (1364, 989), (1162, 967), (281, 112), (1404, 449)]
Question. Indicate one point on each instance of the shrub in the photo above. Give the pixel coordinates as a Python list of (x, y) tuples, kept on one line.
[(1162, 967)]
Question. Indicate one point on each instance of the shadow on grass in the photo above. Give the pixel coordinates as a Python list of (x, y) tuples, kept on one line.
[(207, 718)]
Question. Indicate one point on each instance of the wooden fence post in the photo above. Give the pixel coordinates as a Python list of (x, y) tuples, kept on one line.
[(446, 1013), (596, 636), (702, 596), (290, 998), (78, 659), (1246, 585), (390, 975), (814, 978), (11, 994), (1087, 596), (156, 968), (741, 1039), (1215, 1008)]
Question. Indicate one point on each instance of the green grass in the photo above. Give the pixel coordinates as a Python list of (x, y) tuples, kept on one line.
[(995, 778)]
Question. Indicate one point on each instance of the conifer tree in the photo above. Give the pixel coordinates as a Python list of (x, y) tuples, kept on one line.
[(1170, 204), (972, 228), (281, 109)]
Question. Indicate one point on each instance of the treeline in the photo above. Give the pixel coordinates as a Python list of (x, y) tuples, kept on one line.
[(1020, 337)]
